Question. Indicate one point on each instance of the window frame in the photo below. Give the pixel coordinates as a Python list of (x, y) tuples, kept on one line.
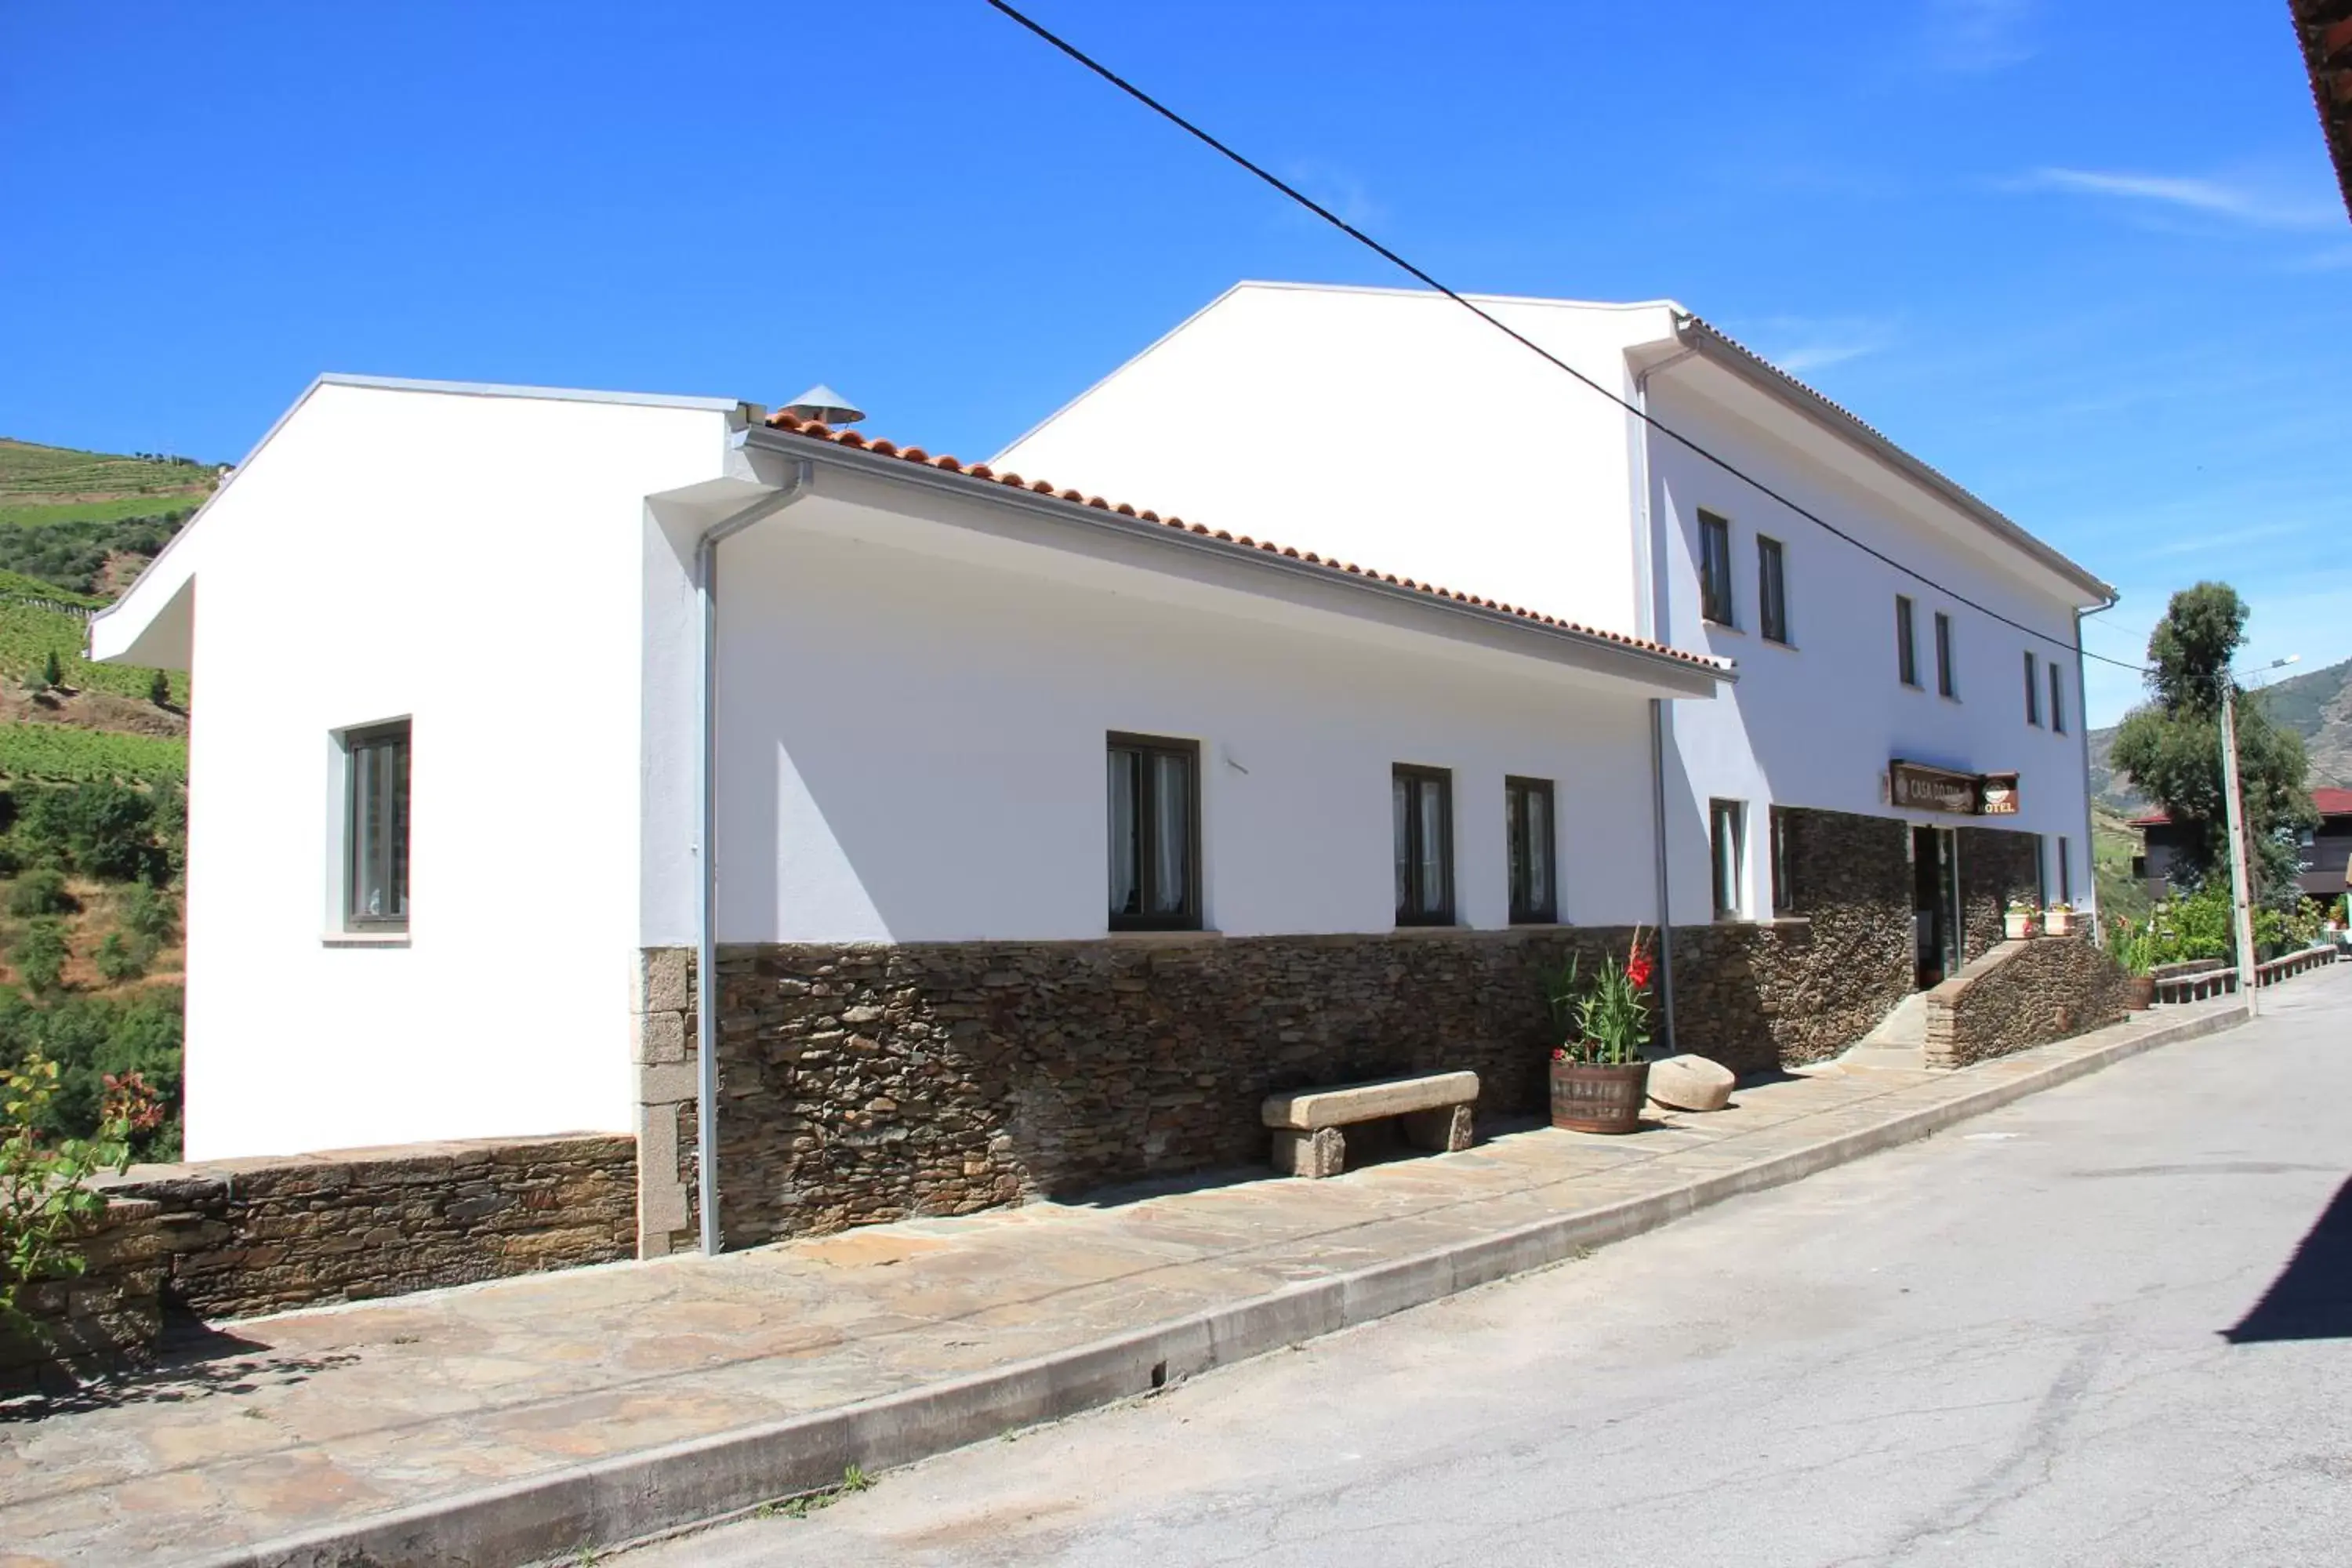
[(356, 743), (1948, 677), (1146, 828), (1517, 850), (1420, 777), (1719, 811), (1784, 895), (1772, 590), (2065, 873), (2057, 698), (1907, 641), (1714, 527), (2032, 690)]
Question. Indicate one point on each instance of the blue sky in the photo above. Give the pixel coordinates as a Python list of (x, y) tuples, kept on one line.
[(2100, 274)]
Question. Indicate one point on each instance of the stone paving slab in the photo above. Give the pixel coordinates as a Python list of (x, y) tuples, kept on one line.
[(523, 1418)]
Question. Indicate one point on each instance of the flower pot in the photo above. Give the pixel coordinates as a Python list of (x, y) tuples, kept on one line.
[(2058, 922), (2015, 926), (2140, 994), (1586, 1097)]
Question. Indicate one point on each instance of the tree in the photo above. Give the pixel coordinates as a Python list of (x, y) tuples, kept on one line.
[(2171, 747), (159, 689), (52, 672)]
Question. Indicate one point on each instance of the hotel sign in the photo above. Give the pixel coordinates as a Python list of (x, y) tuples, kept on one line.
[(1923, 788)]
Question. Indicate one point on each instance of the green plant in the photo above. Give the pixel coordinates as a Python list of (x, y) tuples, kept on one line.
[(117, 961), (159, 689), (93, 1037), (52, 673), (40, 955), (146, 914), (2133, 947), (40, 891), (45, 1199), (1608, 1021)]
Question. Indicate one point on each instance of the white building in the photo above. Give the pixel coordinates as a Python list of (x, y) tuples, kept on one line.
[(1397, 425), (446, 781)]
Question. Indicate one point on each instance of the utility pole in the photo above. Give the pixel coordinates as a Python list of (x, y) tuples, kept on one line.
[(2240, 908)]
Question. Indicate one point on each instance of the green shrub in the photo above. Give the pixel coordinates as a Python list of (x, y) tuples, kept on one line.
[(59, 751), (90, 1038), (40, 892), (40, 954), (147, 915), (118, 961), (101, 829), (159, 689)]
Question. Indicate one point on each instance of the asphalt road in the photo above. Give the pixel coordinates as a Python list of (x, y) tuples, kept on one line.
[(2109, 1325)]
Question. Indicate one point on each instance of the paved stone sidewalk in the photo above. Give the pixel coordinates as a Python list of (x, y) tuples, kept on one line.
[(295, 1423)]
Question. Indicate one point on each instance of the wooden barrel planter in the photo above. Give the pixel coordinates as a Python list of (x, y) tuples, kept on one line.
[(1591, 1099), (2140, 994)]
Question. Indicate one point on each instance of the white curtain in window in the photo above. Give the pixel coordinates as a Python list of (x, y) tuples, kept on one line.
[(1126, 854), (1432, 849), (1171, 829), (1400, 802), (1539, 853)]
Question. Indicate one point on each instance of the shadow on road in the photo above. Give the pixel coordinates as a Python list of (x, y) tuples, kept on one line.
[(2311, 1299)]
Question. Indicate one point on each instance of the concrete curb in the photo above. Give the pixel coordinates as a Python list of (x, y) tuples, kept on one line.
[(636, 1497)]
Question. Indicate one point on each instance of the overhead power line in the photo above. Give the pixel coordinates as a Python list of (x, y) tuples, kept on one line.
[(1419, 275)]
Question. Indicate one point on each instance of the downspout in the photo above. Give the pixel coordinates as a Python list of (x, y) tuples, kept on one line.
[(706, 939), (2083, 743), (1654, 612)]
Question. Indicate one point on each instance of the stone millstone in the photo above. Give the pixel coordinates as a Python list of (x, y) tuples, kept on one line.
[(1690, 1083)]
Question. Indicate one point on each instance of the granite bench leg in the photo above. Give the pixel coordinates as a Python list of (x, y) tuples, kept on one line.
[(1319, 1153), (1446, 1130)]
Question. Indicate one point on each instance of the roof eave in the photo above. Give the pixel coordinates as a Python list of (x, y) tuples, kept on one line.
[(1720, 349)]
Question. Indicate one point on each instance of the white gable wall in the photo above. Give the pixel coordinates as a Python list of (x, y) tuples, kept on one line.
[(1392, 429), (471, 562)]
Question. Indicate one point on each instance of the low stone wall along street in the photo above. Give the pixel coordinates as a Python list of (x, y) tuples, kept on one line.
[(2023, 994)]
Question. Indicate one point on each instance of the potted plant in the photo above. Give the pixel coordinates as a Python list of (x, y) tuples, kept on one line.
[(2058, 919), (1600, 1076), (2134, 949), (2017, 920)]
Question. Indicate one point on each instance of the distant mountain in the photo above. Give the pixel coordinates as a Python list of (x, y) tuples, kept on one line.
[(2316, 705)]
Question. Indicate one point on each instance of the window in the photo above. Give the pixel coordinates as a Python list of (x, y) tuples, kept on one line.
[(1714, 570), (1771, 590), (2032, 690), (376, 828), (1784, 897), (1155, 833), (1422, 805), (1944, 683), (2057, 701), (1527, 818), (1728, 840), (1907, 642)]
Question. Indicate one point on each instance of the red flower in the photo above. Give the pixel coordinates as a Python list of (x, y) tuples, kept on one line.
[(1637, 967)]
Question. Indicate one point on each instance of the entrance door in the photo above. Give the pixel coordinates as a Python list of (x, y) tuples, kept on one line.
[(1934, 897)]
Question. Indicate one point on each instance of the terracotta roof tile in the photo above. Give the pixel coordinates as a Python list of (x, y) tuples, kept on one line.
[(981, 473)]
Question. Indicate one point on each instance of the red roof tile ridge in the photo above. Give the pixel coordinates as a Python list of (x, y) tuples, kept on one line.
[(882, 448)]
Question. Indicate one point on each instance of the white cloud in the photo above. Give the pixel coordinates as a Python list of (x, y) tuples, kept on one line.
[(1342, 191), (1801, 344), (2238, 202), (1979, 35)]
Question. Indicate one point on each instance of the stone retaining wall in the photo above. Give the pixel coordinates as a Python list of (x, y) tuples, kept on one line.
[(103, 1318), (240, 1238), (2023, 994)]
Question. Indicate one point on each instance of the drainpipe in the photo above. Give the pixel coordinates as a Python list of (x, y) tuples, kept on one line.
[(1651, 607), (706, 939), (2083, 744)]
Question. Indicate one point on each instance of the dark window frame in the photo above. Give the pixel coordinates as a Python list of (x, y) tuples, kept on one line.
[(1772, 590), (1146, 828), (1719, 811), (2032, 690), (1719, 600), (1784, 895), (2065, 872), (1519, 853), (1907, 641), (1947, 679), (1419, 777), (390, 854), (2057, 699)]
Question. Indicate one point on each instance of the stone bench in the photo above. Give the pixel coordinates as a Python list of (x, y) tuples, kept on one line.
[(1434, 1111)]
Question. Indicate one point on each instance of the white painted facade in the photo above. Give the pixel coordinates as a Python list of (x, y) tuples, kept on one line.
[(916, 674), (1396, 426)]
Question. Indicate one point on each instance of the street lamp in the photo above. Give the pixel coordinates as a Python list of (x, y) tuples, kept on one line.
[(2240, 904)]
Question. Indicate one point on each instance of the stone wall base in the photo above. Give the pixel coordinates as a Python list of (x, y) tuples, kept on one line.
[(2021, 995)]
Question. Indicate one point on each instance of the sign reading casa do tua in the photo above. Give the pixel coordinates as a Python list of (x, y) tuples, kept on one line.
[(1924, 788)]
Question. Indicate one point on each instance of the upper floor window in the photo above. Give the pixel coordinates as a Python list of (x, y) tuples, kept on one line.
[(2032, 690), (376, 828), (1714, 600), (1155, 833), (1422, 810), (1771, 590), (2057, 701), (1947, 682), (1907, 642), (1527, 818)]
